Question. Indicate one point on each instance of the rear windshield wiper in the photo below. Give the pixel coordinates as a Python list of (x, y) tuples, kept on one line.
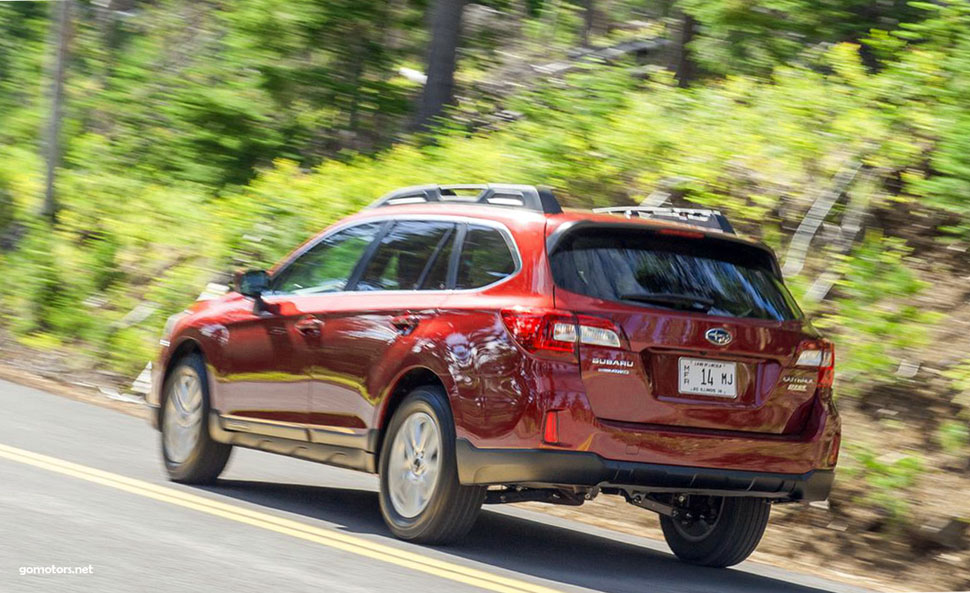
[(676, 301)]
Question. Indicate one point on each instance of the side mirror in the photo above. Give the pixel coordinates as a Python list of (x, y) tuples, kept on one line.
[(252, 283)]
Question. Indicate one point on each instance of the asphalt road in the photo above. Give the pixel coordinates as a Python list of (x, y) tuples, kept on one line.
[(83, 486)]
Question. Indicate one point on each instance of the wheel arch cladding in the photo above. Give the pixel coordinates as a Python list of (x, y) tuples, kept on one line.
[(185, 348), (408, 381)]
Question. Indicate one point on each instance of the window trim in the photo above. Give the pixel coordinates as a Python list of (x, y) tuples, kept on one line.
[(456, 256), (461, 222)]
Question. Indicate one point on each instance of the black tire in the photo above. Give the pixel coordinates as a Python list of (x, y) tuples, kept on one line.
[(452, 508), (207, 458), (735, 533)]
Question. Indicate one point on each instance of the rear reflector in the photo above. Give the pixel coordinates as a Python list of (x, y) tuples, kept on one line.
[(558, 332), (833, 457), (550, 432)]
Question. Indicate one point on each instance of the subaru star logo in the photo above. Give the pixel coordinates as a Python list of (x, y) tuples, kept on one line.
[(718, 336)]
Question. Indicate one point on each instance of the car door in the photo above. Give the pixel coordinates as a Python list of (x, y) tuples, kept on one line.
[(399, 287), (272, 346)]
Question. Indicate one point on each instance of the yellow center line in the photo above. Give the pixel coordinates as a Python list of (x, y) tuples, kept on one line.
[(327, 537)]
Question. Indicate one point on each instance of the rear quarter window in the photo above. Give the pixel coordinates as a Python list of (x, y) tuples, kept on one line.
[(642, 268), (486, 258)]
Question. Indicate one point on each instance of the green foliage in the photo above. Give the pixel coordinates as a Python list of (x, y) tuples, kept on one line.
[(23, 30), (887, 478), (194, 150), (960, 376), (953, 435), (873, 313), (947, 35), (205, 92), (754, 37)]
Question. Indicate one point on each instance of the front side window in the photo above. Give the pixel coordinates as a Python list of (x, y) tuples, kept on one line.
[(409, 255), (328, 265), (485, 258)]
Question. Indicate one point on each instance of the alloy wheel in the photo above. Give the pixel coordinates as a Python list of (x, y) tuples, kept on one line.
[(414, 464), (183, 415)]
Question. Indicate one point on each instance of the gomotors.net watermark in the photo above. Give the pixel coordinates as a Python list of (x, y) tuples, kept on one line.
[(54, 569)]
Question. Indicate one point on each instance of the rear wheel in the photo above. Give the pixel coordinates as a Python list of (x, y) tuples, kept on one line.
[(190, 454), (715, 531), (421, 498)]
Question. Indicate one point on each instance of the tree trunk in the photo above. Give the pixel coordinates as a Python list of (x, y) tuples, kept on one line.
[(589, 21), (442, 57), (686, 69), (52, 145)]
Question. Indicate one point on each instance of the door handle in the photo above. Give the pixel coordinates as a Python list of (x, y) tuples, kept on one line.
[(405, 324), (309, 325)]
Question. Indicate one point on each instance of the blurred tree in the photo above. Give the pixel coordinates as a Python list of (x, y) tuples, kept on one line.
[(685, 68), (442, 57), (589, 21), (60, 42)]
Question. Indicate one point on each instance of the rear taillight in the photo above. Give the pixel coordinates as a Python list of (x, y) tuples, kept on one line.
[(549, 331), (819, 354), (545, 331)]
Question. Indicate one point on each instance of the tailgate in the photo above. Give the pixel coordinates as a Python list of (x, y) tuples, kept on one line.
[(710, 332)]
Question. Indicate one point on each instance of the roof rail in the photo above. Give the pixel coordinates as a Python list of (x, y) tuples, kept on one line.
[(707, 219), (526, 197)]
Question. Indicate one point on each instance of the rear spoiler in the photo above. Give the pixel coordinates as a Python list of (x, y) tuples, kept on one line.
[(711, 220)]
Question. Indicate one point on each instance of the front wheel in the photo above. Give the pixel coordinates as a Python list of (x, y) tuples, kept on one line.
[(420, 496), (716, 531), (190, 454)]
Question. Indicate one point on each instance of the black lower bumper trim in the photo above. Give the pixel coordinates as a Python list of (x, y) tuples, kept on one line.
[(577, 468)]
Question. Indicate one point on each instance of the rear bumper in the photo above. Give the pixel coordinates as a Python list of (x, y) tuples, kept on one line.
[(576, 468)]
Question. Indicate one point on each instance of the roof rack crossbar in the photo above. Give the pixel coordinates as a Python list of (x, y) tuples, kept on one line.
[(707, 219), (526, 197)]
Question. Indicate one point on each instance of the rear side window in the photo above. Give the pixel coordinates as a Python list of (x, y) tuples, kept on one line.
[(328, 265), (703, 275), (485, 258), (407, 255)]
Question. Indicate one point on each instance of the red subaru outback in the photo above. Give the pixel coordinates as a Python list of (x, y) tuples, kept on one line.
[(477, 344)]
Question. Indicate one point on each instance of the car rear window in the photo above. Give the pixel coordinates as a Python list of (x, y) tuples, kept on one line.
[(709, 275)]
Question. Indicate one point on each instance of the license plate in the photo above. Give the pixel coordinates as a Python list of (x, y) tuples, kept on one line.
[(708, 377)]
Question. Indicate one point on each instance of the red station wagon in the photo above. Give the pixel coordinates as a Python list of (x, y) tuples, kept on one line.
[(478, 344)]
